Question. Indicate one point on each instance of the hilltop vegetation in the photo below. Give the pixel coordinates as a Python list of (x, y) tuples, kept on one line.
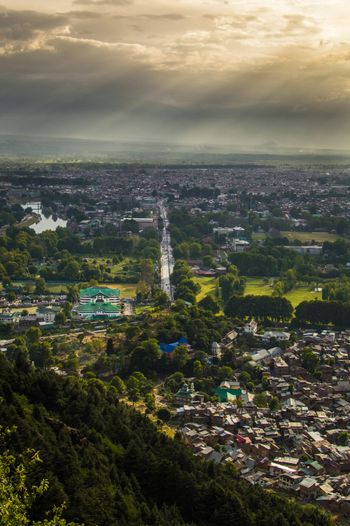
[(112, 466)]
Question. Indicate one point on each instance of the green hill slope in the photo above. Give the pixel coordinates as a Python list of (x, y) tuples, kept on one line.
[(113, 467)]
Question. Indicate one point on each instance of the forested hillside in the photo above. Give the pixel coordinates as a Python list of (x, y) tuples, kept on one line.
[(112, 466)]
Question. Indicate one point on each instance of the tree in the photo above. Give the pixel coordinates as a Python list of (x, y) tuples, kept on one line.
[(110, 346), (343, 438), (146, 356), (181, 356), (73, 294), (208, 261), (118, 383), (33, 335), (17, 496), (41, 354), (150, 401), (175, 381), (60, 318), (133, 387), (164, 414), (310, 360), (274, 404), (260, 400), (40, 286), (209, 303), (198, 369)]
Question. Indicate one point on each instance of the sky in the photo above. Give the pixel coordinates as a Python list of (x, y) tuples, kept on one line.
[(232, 72)]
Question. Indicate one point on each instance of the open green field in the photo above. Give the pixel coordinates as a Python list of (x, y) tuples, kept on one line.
[(207, 286), (115, 268), (303, 237), (31, 310), (127, 290), (260, 287)]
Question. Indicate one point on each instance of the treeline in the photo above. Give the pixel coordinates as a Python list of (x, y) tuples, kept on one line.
[(324, 312), (111, 465), (59, 254), (266, 261), (182, 278), (260, 307)]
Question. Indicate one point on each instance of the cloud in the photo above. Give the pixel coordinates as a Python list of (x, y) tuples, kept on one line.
[(102, 2), (165, 16), (24, 25), (242, 76)]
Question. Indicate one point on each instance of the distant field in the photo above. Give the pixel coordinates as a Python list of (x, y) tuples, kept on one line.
[(31, 310), (261, 287), (303, 237), (127, 290), (207, 286), (115, 268)]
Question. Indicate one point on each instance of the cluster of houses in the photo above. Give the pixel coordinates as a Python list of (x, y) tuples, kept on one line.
[(300, 446)]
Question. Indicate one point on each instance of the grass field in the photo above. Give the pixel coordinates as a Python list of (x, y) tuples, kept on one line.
[(127, 290), (303, 237), (260, 287), (207, 286), (115, 268)]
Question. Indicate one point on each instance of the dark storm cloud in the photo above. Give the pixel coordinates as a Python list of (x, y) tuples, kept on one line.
[(23, 25), (83, 73), (83, 88)]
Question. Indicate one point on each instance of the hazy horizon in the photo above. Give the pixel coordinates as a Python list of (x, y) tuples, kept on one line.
[(226, 73)]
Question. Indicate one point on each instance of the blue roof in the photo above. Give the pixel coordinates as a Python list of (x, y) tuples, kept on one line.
[(170, 347)]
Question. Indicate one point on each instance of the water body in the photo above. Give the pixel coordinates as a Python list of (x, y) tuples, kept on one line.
[(45, 223)]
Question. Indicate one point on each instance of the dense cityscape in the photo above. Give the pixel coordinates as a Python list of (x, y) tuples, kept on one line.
[(214, 300)]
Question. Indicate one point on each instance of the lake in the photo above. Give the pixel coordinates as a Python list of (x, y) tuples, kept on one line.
[(45, 223)]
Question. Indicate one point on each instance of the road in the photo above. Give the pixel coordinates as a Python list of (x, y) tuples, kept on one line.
[(166, 260)]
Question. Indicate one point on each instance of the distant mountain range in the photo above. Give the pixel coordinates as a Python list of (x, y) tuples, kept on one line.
[(57, 148)]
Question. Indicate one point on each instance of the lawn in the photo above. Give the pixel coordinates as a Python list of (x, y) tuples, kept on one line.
[(208, 286), (127, 290), (303, 237), (308, 237), (115, 268), (260, 287)]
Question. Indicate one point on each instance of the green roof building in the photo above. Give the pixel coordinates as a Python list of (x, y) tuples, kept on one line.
[(99, 295), (99, 303), (227, 395), (95, 311)]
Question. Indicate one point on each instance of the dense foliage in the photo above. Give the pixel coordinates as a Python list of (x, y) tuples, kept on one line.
[(112, 466)]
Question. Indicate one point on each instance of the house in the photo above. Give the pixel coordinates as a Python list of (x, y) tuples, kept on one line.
[(251, 327), (9, 317), (280, 367), (277, 335), (309, 488), (143, 222), (228, 391), (47, 314), (312, 250), (228, 339)]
